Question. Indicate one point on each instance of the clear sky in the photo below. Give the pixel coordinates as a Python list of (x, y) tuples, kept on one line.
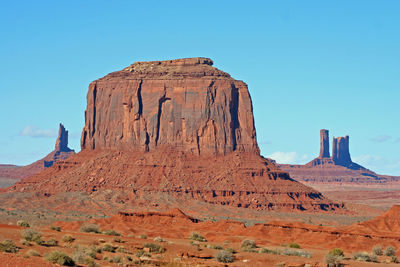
[(309, 65)]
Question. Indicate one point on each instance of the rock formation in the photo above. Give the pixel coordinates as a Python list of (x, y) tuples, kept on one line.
[(324, 150), (336, 169), (181, 128), (340, 151), (186, 104), (61, 152)]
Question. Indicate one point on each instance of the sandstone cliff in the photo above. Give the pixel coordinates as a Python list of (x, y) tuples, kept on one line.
[(186, 104)]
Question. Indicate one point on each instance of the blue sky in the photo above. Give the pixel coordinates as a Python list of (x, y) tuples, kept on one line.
[(309, 65)]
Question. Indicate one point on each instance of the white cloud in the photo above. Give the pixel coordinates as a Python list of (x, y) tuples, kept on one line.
[(36, 132), (379, 164), (289, 157), (381, 138)]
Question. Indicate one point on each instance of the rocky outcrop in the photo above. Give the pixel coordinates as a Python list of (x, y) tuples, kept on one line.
[(324, 148), (62, 151), (186, 104), (340, 151)]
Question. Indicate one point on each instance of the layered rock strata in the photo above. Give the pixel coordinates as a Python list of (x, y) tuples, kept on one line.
[(176, 127)]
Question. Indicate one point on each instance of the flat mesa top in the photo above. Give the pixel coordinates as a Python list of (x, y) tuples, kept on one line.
[(197, 67)]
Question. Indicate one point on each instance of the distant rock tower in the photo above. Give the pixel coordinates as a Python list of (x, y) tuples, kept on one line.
[(62, 151), (324, 149), (340, 151)]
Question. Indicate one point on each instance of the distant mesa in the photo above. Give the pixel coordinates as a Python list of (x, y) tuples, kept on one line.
[(61, 152), (338, 168), (340, 152)]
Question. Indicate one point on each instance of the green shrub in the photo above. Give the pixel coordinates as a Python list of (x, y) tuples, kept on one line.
[(333, 260), (83, 255), (115, 259), (298, 253), (294, 245), (32, 236), (395, 259), (23, 223), (109, 248), (364, 256), (142, 236), (248, 246), (336, 252), (225, 256), (270, 251), (196, 236), (231, 250), (60, 258), (33, 253), (68, 239), (390, 251), (55, 228), (158, 239), (111, 232), (156, 248), (118, 240), (50, 243), (216, 247), (8, 246), (142, 253), (90, 228)]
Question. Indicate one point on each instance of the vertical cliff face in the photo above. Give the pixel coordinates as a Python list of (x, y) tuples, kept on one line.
[(340, 151), (324, 144), (186, 104), (62, 140)]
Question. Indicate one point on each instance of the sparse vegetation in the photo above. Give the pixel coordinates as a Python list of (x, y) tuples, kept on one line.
[(225, 256), (287, 252), (248, 246), (364, 256), (298, 253), (32, 236), (23, 223), (55, 228), (115, 259), (215, 247), (156, 248), (336, 252), (142, 253), (269, 251), (84, 255), (109, 248), (50, 243), (390, 251), (142, 236), (90, 228), (33, 253), (198, 237), (395, 259), (68, 239), (118, 240), (8, 246), (377, 250), (294, 245), (111, 232), (333, 260), (158, 239), (60, 258)]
